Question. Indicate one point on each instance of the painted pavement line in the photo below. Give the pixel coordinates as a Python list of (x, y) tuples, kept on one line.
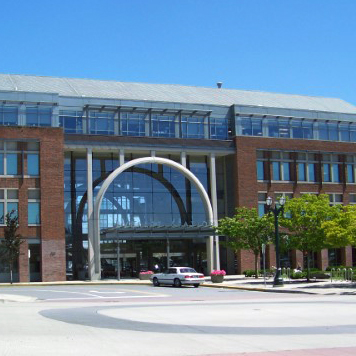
[(100, 297)]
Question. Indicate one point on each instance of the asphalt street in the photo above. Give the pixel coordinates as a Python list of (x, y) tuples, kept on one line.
[(143, 320)]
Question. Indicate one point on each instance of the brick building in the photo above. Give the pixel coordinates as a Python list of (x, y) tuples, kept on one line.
[(60, 139)]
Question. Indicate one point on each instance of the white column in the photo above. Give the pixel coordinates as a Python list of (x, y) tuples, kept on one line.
[(55, 116), (214, 203), (91, 245), (183, 159), (22, 115), (121, 157)]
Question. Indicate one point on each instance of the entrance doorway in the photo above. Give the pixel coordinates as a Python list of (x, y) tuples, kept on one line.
[(150, 254)]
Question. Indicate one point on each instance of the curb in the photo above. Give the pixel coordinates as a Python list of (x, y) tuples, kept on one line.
[(253, 289)]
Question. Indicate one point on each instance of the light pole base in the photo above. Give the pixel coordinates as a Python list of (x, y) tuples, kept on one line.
[(278, 279)]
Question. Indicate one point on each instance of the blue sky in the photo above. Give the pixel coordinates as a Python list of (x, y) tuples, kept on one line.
[(286, 46)]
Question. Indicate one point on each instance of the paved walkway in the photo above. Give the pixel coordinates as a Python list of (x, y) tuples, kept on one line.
[(290, 286), (233, 282)]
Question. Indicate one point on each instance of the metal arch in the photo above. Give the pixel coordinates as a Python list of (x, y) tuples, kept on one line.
[(94, 242)]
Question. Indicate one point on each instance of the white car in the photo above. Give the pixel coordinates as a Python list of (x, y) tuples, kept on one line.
[(177, 276)]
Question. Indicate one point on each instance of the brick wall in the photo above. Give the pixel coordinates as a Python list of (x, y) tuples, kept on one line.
[(247, 186), (51, 181)]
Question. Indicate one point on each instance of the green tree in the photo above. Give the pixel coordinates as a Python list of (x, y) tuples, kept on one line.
[(304, 218), (10, 245), (341, 231), (246, 230)]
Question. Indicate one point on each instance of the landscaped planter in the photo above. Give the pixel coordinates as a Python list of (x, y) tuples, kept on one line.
[(217, 278), (145, 276)]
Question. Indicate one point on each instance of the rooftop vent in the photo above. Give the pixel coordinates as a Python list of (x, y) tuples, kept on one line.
[(219, 84)]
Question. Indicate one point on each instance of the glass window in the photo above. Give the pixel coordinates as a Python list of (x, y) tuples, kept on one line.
[(301, 172), (256, 127), (101, 123), (323, 131), (11, 164), (352, 198), (276, 171), (272, 128), (333, 131), (33, 213), (12, 194), (283, 128), (350, 173), (163, 125), (33, 146), (71, 121), (286, 171), (335, 198), (219, 129), (192, 127), (34, 194), (311, 172), (246, 126), (260, 170), (38, 116), (133, 124), (8, 115), (297, 130), (344, 132), (33, 168), (335, 173), (1, 164), (2, 215), (12, 206), (262, 203), (353, 133), (326, 172), (45, 117), (307, 130)]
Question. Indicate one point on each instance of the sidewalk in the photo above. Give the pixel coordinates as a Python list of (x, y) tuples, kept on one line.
[(290, 286), (231, 282)]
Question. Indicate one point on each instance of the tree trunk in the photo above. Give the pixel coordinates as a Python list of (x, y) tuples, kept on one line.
[(308, 266), (256, 267)]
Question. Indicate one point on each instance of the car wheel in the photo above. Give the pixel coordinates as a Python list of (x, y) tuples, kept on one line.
[(196, 285), (177, 282), (155, 282)]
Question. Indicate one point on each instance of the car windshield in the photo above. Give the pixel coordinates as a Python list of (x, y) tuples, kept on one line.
[(188, 270)]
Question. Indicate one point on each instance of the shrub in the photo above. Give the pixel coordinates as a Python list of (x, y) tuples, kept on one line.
[(251, 272), (298, 275), (319, 275)]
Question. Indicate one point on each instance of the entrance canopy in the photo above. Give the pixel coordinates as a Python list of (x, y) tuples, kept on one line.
[(158, 232)]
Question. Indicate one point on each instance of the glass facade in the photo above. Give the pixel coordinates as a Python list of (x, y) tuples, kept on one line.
[(296, 128), (147, 195)]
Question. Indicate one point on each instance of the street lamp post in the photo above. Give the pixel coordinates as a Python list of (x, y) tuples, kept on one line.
[(276, 210)]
